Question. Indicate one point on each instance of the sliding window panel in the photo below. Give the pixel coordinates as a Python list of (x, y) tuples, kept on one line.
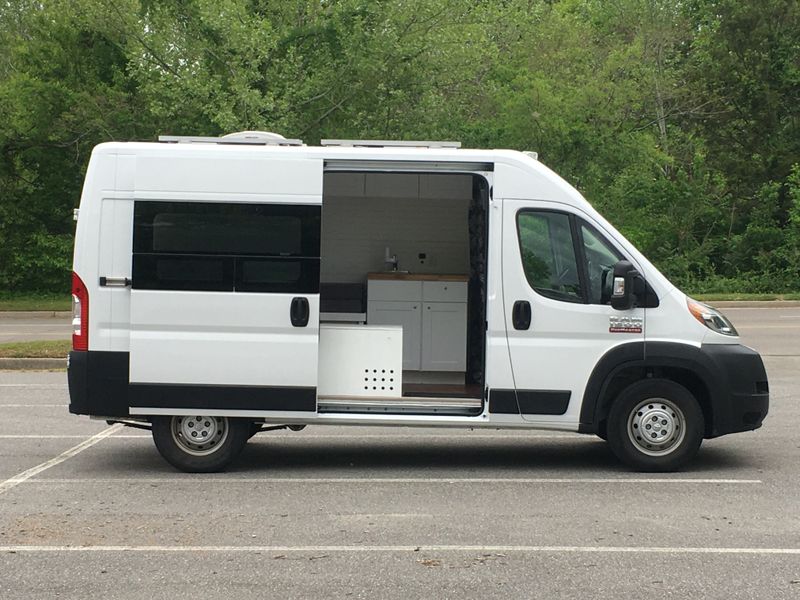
[(216, 291)]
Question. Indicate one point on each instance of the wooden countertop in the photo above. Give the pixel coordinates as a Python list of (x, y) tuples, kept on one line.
[(390, 276)]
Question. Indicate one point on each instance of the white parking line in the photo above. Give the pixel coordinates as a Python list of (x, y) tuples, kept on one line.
[(62, 437), (32, 472), (411, 549), (193, 479), (32, 405)]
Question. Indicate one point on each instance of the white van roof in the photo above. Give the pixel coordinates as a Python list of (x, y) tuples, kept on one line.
[(517, 175)]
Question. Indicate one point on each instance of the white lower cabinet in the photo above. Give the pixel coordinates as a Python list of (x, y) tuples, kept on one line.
[(360, 361), (444, 336), (434, 320)]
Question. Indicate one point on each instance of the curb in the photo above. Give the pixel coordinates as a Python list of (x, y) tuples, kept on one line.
[(753, 303), (35, 314), (32, 364)]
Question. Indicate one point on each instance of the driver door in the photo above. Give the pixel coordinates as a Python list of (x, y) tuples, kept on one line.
[(557, 273)]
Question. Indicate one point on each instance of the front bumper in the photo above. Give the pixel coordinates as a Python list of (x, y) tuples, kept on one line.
[(740, 401)]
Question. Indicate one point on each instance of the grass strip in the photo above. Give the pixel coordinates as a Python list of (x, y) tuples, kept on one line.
[(36, 349), (43, 302)]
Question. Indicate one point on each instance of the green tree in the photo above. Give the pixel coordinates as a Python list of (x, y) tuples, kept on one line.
[(677, 119)]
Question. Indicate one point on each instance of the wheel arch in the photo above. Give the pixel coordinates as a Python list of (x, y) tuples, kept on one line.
[(624, 365)]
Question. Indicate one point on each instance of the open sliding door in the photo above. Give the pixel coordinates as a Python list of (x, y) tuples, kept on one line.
[(225, 301)]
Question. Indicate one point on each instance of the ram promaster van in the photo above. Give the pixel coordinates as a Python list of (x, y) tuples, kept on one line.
[(226, 286)]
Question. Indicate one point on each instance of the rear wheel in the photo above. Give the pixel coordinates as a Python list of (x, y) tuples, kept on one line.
[(655, 425), (198, 443)]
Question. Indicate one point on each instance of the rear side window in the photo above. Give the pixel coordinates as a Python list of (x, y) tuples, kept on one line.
[(226, 247)]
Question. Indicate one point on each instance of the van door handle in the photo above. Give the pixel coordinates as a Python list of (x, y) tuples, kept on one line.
[(521, 314), (299, 312), (115, 282)]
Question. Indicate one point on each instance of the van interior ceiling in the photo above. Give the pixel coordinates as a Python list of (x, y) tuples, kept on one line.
[(403, 292)]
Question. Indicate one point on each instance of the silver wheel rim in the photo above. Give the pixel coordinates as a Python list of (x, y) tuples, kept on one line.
[(656, 427), (199, 435)]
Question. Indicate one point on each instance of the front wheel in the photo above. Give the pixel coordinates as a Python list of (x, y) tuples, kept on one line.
[(198, 443), (655, 425)]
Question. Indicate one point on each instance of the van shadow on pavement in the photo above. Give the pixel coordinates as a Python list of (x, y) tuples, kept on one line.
[(410, 457)]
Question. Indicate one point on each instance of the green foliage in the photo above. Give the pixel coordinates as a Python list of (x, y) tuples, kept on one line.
[(678, 120), (35, 301)]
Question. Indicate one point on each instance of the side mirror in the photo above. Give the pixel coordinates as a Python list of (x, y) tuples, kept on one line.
[(623, 294)]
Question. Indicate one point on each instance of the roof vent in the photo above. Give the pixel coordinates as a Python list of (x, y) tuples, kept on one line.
[(254, 137)]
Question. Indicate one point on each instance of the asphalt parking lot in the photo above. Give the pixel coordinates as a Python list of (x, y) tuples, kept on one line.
[(88, 510)]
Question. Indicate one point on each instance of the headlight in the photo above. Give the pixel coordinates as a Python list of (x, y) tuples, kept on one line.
[(710, 317)]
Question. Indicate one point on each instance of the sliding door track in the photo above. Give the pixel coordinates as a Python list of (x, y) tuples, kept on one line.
[(400, 406)]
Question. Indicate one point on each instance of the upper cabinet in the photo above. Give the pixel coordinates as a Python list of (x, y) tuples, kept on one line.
[(398, 185)]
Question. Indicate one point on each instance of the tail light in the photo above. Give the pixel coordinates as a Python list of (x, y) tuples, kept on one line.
[(80, 314)]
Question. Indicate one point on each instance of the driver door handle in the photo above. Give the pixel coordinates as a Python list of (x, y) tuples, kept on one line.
[(521, 315)]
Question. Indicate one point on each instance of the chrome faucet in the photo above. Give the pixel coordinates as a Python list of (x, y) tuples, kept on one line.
[(390, 259)]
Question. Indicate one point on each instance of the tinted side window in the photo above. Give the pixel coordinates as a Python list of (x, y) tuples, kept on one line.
[(208, 246), (548, 254), (600, 260)]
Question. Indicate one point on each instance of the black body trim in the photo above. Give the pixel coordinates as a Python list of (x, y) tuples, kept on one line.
[(222, 397), (733, 377), (98, 383), (99, 386), (529, 402), (503, 402)]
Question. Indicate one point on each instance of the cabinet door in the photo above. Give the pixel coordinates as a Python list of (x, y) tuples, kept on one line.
[(406, 314), (444, 336)]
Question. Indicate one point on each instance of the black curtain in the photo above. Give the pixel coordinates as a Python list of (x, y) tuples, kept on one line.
[(476, 328)]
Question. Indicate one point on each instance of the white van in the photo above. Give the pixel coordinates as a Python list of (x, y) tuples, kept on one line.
[(226, 286)]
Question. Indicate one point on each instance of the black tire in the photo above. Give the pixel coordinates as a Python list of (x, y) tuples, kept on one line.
[(655, 425), (226, 437)]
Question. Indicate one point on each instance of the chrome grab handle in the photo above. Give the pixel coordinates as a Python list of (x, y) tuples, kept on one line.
[(114, 282)]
